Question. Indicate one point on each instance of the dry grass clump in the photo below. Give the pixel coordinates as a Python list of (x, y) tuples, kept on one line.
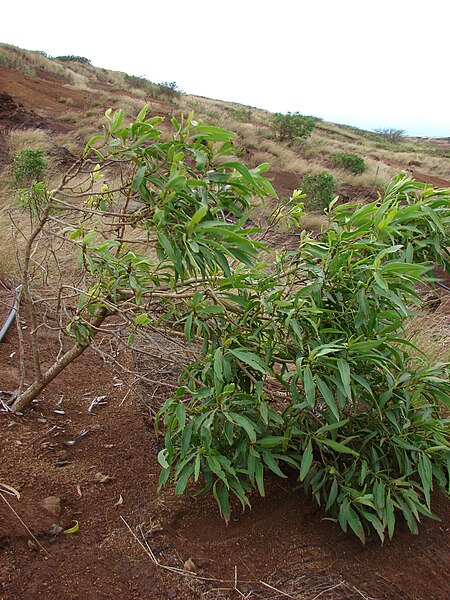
[(28, 139), (79, 81), (8, 265), (130, 105), (314, 221), (256, 158), (430, 332)]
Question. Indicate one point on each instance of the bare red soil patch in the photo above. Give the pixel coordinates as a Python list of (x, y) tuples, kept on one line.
[(43, 92)]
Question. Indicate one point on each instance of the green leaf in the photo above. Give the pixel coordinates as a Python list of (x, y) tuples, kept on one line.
[(337, 447), (307, 460), (245, 423), (250, 358), (344, 371), (328, 397), (197, 217), (218, 366), (138, 178), (72, 529), (271, 441), (308, 384), (355, 523), (272, 464), (259, 475), (183, 479), (390, 515), (162, 458)]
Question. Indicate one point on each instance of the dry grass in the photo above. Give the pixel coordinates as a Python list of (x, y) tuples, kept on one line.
[(314, 221), (430, 332), (28, 139)]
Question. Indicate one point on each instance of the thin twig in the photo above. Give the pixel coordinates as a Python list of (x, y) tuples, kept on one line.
[(329, 589), (28, 530)]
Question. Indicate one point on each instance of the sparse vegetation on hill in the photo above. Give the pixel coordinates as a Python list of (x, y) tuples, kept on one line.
[(71, 58)]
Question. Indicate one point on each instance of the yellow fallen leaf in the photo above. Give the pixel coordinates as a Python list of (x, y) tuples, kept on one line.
[(119, 501), (73, 529)]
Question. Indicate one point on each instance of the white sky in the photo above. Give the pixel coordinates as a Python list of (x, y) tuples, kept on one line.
[(383, 63)]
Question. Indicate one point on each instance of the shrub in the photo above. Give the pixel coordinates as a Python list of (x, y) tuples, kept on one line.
[(301, 363), (170, 89), (134, 81), (390, 134), (292, 125), (312, 371), (80, 59), (319, 189), (350, 162), (28, 166)]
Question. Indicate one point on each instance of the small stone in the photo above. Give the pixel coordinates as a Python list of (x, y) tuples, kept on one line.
[(32, 545), (102, 478), (55, 529), (172, 593), (52, 504), (189, 565)]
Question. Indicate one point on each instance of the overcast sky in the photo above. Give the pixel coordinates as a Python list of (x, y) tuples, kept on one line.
[(374, 64)]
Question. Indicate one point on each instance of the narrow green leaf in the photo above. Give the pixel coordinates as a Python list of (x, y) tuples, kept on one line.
[(337, 446), (249, 358), (328, 397), (344, 371), (308, 384), (307, 460), (272, 464)]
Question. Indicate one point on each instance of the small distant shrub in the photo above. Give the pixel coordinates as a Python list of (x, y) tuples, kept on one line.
[(170, 89), (69, 101), (28, 166), (292, 125), (319, 189), (70, 118), (141, 83), (240, 114), (390, 134), (350, 162), (80, 59)]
